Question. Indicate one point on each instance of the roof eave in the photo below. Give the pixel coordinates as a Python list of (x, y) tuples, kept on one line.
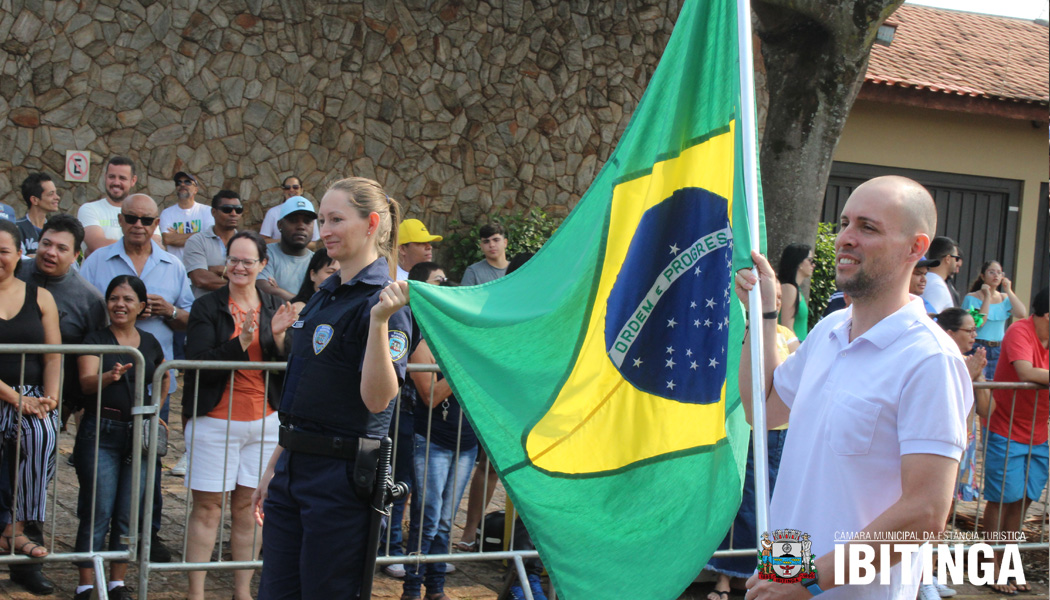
[(1007, 108)]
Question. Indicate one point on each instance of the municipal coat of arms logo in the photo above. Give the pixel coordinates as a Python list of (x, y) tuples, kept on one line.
[(787, 557)]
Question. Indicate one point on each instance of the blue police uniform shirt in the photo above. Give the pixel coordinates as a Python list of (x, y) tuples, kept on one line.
[(322, 389)]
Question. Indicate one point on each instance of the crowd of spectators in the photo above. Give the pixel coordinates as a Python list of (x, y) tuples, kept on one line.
[(189, 282)]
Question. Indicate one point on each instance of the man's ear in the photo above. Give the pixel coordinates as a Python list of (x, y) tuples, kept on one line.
[(919, 245)]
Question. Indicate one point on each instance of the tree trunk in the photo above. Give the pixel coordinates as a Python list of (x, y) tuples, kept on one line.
[(815, 54)]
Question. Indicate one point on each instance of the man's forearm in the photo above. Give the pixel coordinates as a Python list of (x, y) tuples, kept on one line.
[(175, 239)]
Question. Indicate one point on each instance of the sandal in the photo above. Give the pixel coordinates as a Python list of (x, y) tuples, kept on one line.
[(722, 594), (1021, 588), (467, 546), (1002, 589), (28, 548)]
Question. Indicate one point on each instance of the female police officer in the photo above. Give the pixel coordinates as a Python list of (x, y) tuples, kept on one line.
[(348, 356)]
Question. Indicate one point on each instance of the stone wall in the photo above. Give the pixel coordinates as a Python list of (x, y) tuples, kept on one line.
[(462, 108)]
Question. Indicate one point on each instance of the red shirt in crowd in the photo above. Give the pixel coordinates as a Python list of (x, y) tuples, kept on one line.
[(1020, 343)]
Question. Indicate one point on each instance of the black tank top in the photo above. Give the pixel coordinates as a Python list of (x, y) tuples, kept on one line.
[(25, 328)]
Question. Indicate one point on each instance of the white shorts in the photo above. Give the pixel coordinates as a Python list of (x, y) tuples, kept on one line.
[(247, 452)]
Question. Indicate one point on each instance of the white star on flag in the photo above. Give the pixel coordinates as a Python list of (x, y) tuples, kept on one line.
[(713, 363), (671, 322), (710, 303), (674, 248), (670, 363)]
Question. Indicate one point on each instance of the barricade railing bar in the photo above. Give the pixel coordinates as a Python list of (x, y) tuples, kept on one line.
[(414, 555), (96, 556)]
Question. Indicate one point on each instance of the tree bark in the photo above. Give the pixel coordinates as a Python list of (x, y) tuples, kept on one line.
[(815, 54)]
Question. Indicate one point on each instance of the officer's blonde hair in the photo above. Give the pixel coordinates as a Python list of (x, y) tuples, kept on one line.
[(368, 197)]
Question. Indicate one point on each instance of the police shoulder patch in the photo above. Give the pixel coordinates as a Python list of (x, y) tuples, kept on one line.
[(398, 345)]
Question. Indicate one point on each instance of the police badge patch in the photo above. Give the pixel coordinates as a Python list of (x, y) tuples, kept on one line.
[(398, 345), (322, 335)]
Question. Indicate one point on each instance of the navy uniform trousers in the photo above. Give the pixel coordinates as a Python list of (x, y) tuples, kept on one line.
[(315, 530)]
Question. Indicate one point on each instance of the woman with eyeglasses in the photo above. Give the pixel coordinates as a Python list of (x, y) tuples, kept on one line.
[(237, 322), (796, 267), (962, 328), (996, 308)]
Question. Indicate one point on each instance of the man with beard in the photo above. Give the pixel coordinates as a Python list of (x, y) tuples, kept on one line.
[(877, 396), (289, 257), (169, 299), (81, 310), (188, 217), (100, 218), (41, 197)]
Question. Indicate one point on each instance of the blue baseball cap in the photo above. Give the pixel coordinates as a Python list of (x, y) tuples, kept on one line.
[(297, 204)]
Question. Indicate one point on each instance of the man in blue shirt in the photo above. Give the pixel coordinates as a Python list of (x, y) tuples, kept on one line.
[(169, 297)]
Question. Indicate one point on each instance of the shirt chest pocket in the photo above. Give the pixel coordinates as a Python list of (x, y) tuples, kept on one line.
[(851, 425)]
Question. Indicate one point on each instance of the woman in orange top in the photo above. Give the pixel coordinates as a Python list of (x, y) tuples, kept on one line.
[(231, 432)]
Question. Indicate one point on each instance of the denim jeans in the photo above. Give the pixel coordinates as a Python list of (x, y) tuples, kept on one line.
[(112, 497), (440, 500), (992, 354)]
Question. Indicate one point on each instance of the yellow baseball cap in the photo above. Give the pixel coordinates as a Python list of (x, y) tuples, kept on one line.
[(414, 231)]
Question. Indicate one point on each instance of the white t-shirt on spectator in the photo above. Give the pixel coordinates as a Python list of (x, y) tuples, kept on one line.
[(856, 409), (194, 219), (936, 292), (101, 213), (269, 225)]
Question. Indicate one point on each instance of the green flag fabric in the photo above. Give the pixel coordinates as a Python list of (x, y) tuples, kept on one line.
[(601, 376)]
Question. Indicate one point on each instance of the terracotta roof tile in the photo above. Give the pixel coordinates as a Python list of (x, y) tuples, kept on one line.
[(966, 54)]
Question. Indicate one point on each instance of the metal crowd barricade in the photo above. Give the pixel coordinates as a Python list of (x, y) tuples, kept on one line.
[(191, 369), (98, 557), (979, 504)]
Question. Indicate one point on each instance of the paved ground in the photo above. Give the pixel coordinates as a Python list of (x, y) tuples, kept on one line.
[(473, 581)]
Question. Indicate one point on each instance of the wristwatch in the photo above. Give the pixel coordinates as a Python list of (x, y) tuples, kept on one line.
[(174, 312), (811, 585)]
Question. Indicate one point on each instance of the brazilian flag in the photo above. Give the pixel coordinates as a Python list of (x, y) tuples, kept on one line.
[(601, 376)]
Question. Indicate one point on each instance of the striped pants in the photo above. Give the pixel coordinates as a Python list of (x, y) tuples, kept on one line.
[(36, 465)]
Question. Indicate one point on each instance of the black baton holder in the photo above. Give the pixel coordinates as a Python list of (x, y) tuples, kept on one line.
[(383, 495)]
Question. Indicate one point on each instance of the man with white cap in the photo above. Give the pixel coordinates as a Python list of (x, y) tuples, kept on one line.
[(414, 246), (289, 257)]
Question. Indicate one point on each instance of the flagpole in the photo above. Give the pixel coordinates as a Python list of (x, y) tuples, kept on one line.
[(750, 155)]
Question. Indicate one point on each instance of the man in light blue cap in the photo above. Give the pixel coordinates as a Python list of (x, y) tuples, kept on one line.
[(289, 257)]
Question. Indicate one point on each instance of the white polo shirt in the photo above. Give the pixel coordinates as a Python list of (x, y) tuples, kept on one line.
[(856, 408), (936, 292)]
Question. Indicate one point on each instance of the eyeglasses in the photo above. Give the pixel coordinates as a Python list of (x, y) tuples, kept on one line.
[(229, 208), (185, 182), (292, 187), (437, 280), (247, 262), (132, 219), (970, 330), (955, 256), (811, 260), (993, 273)]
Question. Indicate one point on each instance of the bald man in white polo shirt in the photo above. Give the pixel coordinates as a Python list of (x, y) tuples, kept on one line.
[(877, 396)]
